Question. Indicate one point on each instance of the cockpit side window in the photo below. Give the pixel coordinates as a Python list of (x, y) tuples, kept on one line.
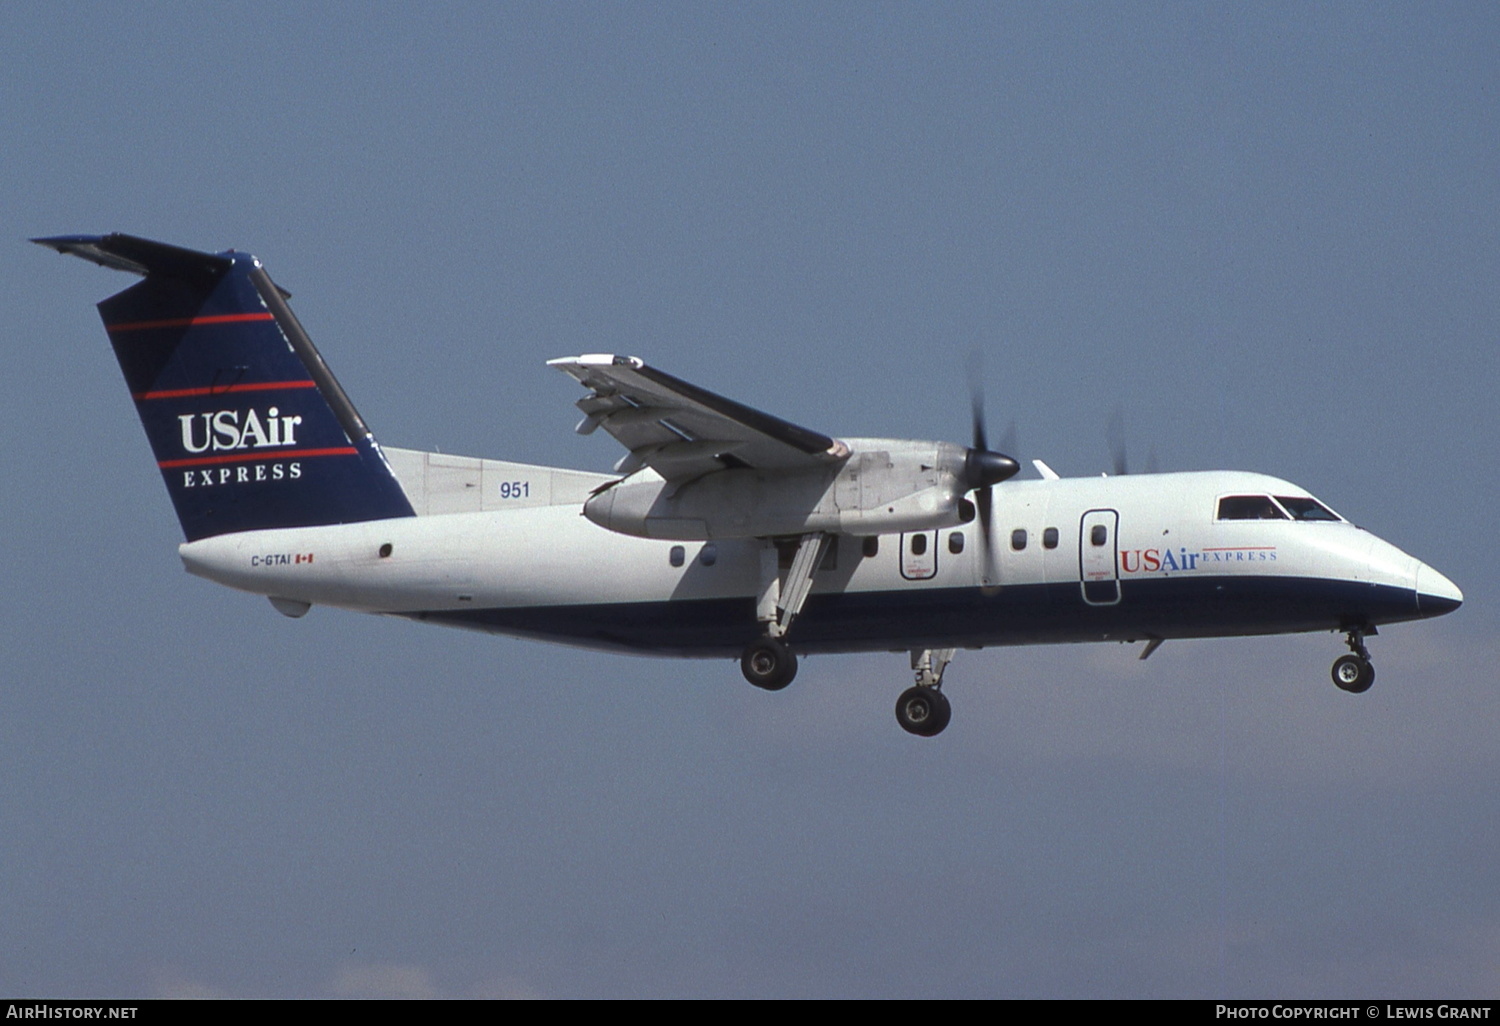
[(1249, 507), (1303, 508)]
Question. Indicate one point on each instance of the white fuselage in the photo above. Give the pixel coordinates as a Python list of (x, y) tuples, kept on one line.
[(523, 560)]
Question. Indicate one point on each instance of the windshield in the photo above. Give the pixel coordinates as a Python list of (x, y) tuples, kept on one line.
[(1249, 507), (1305, 508), (1282, 507)]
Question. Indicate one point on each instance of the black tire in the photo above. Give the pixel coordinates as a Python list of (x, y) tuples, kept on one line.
[(769, 664), (1353, 674), (923, 711)]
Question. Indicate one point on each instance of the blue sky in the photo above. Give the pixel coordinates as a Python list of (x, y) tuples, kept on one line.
[(1267, 233)]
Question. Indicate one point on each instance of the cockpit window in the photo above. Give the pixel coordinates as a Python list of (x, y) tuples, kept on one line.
[(1249, 507), (1306, 509)]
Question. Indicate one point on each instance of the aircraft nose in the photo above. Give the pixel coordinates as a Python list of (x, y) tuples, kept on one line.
[(1436, 594)]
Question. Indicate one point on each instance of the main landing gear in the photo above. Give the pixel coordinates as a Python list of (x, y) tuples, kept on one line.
[(768, 662), (1355, 673), (923, 710)]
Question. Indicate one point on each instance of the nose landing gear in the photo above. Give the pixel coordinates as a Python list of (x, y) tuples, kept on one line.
[(1355, 673)]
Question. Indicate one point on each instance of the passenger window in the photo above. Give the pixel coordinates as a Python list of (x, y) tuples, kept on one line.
[(1249, 507), (956, 542), (1049, 538), (871, 547), (919, 544), (677, 556), (709, 554), (1018, 539), (1099, 535)]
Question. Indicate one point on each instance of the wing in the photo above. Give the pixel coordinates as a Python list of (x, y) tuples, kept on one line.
[(682, 431)]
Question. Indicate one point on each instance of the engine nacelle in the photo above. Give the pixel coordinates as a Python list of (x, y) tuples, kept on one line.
[(884, 487)]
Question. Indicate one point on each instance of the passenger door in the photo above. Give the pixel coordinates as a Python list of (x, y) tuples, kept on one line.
[(1098, 557), (919, 555)]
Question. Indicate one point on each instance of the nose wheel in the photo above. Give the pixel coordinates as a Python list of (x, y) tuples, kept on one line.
[(1355, 673)]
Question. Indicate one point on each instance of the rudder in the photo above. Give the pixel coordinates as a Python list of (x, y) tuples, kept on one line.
[(249, 427)]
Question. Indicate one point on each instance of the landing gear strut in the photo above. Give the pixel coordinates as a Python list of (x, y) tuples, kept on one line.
[(924, 710), (768, 662), (1355, 673)]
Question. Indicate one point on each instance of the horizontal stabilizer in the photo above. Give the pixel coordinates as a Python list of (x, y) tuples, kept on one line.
[(140, 256)]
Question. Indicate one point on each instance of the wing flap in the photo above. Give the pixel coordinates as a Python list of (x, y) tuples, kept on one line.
[(682, 431)]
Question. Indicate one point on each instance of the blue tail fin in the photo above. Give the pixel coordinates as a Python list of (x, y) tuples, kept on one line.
[(248, 425)]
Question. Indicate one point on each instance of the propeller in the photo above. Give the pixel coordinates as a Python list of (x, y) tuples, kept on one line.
[(1115, 432), (983, 469)]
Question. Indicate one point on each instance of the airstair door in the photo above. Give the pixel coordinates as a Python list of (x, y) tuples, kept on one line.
[(919, 555), (1098, 557)]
